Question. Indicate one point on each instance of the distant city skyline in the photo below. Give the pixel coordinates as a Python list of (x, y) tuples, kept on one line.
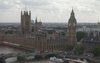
[(57, 11)]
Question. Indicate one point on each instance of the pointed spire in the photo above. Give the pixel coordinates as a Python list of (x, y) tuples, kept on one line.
[(72, 18), (36, 20), (72, 13)]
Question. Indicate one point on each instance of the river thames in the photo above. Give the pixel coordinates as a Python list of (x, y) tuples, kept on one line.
[(44, 61), (6, 50)]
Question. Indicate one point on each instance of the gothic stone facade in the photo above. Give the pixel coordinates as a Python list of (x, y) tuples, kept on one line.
[(26, 22), (40, 40), (71, 33)]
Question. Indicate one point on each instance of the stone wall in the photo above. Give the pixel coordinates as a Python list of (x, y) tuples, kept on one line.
[(36, 43)]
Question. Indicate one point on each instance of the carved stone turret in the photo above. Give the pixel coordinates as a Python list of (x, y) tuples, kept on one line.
[(26, 22)]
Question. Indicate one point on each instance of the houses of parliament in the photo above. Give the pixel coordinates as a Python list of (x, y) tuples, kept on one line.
[(36, 38), (42, 40)]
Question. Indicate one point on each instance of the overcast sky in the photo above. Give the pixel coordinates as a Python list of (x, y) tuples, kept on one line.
[(51, 10)]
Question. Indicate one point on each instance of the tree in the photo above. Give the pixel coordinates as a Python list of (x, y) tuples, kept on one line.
[(96, 51), (63, 33), (80, 35), (51, 31), (69, 47), (9, 32), (79, 49)]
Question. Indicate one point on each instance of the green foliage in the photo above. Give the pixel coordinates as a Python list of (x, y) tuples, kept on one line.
[(38, 57), (96, 51), (80, 35), (50, 55), (20, 58), (51, 31), (69, 47), (63, 33), (79, 49), (9, 32)]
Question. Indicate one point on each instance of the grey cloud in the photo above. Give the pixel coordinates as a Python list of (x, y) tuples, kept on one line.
[(35, 2), (4, 6), (56, 7), (45, 5)]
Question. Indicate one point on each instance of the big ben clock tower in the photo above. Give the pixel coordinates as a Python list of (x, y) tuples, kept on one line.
[(71, 32)]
